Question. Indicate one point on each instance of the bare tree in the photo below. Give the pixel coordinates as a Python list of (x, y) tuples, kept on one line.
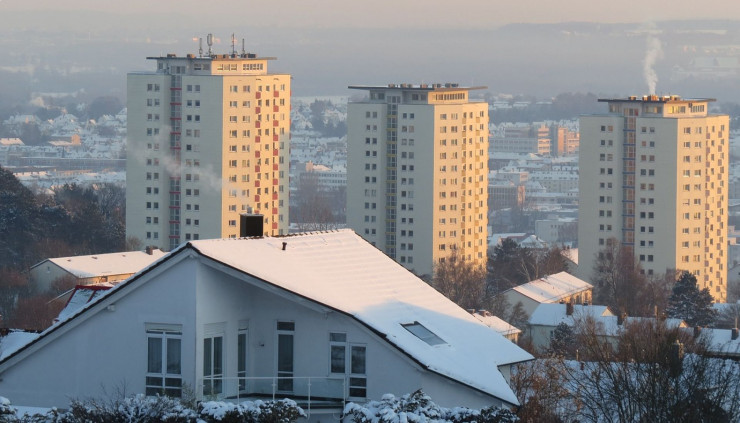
[(542, 392), (461, 281), (311, 207), (651, 372), (619, 281)]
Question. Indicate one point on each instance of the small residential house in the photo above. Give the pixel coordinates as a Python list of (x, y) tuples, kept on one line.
[(94, 268), (322, 318), (547, 317), (558, 288)]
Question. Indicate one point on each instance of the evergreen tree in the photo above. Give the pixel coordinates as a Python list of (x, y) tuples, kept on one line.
[(691, 304), (563, 340)]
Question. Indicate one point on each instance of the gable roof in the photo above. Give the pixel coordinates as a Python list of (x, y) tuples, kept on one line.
[(94, 265), (342, 271), (553, 288)]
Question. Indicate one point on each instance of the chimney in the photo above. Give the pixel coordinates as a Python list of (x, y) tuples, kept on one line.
[(285, 245), (251, 225), (620, 318), (149, 250), (569, 309), (734, 334), (697, 331)]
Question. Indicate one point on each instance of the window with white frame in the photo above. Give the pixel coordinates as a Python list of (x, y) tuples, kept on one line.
[(213, 359), (164, 360)]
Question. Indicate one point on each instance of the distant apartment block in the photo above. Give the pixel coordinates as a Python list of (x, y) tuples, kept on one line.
[(417, 172), (533, 138), (654, 176), (564, 141), (504, 194), (208, 138)]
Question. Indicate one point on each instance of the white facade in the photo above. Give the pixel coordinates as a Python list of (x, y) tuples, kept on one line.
[(654, 176), (417, 173), (208, 138), (226, 317)]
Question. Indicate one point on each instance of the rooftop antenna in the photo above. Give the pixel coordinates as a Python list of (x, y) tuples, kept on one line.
[(233, 44), (209, 40), (243, 50), (200, 48)]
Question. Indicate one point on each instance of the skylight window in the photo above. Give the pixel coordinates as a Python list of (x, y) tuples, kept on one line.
[(421, 332)]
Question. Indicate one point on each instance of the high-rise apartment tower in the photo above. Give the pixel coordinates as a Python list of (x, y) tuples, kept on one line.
[(417, 172), (208, 138), (654, 177)]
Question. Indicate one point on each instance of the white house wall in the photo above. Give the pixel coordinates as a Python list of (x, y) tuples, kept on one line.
[(108, 351), (225, 299)]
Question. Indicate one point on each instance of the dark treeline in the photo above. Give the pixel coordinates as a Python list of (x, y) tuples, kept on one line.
[(71, 221)]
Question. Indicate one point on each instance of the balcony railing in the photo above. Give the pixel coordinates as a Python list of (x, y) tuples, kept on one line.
[(308, 392)]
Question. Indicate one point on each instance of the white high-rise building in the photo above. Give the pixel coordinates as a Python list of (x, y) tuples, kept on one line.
[(654, 176), (417, 171), (208, 138)]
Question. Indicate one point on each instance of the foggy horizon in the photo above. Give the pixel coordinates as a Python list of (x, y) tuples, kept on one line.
[(539, 49)]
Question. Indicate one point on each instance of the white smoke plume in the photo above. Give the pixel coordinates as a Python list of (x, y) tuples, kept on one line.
[(654, 52)]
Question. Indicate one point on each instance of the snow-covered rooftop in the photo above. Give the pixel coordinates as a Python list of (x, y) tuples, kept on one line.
[(553, 288), (94, 265), (82, 294), (343, 271), (553, 314), (13, 341), (497, 324)]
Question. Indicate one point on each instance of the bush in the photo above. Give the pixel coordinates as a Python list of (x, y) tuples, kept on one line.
[(281, 411), (418, 407), (141, 409)]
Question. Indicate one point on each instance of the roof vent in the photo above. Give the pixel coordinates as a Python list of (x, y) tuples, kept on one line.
[(285, 245)]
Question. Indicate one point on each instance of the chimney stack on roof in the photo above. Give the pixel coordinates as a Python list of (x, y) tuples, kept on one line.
[(251, 225)]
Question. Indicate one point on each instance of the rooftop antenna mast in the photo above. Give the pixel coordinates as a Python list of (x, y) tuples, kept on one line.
[(200, 48), (243, 50), (233, 44), (209, 40)]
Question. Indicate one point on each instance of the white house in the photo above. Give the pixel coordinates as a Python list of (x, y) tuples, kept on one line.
[(94, 268), (322, 318), (560, 287), (547, 317)]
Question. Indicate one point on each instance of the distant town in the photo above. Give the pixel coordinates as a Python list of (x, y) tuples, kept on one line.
[(216, 247)]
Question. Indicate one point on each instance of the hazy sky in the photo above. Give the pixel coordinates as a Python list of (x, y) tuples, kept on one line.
[(400, 13)]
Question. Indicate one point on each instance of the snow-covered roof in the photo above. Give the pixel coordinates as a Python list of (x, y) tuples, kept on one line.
[(553, 314), (553, 288), (95, 265), (11, 141), (343, 271), (82, 295), (497, 324), (719, 341), (14, 341)]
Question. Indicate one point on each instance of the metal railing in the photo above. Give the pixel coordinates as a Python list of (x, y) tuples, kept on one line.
[(307, 392)]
